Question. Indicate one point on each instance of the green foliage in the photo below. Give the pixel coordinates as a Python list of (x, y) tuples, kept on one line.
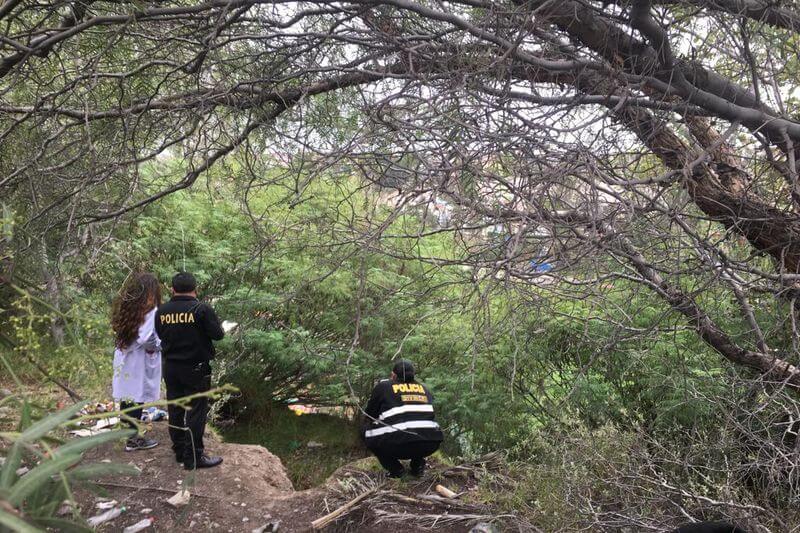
[(288, 436), (31, 499), (500, 375)]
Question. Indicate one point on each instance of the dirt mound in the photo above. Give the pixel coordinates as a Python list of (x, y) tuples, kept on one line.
[(249, 490)]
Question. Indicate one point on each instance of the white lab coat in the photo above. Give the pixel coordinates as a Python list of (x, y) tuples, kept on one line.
[(137, 368)]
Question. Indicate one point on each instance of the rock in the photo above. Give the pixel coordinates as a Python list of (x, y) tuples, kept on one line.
[(180, 499), (271, 527)]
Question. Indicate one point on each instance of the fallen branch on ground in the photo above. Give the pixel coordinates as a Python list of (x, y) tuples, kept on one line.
[(329, 518), (435, 520)]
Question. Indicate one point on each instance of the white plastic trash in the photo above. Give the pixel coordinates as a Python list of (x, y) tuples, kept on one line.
[(109, 515), (138, 526)]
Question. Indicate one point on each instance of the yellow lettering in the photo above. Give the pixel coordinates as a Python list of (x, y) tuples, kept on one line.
[(191, 318), (407, 387), (414, 398)]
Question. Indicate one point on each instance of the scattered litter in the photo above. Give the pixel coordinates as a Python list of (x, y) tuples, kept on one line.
[(245, 519), (106, 461), (21, 471), (66, 508), (180, 482), (180, 499), (315, 444), (237, 480), (101, 426), (153, 414), (109, 515), (244, 504), (444, 491), (138, 526), (104, 506), (146, 510), (228, 326), (100, 407), (105, 423)]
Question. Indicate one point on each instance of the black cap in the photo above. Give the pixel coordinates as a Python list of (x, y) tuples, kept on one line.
[(184, 282), (404, 370)]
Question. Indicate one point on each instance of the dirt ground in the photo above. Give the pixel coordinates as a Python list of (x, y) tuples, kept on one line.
[(251, 490)]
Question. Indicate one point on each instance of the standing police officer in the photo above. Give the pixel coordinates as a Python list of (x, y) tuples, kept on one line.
[(401, 424), (186, 328)]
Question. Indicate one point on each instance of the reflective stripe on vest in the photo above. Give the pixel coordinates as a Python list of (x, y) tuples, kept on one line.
[(414, 424), (420, 408)]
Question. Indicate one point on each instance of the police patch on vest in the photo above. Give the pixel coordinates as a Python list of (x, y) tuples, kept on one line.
[(413, 398), (177, 318), (408, 387)]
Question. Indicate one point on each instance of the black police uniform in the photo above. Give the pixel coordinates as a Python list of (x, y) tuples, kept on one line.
[(186, 328), (401, 425)]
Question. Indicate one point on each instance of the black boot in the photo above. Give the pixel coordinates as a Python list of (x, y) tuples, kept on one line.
[(418, 467), (204, 461)]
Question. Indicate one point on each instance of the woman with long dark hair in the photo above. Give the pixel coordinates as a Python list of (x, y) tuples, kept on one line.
[(137, 357)]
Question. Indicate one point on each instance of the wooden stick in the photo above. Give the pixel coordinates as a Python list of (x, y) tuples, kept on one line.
[(406, 499), (320, 523), (447, 493)]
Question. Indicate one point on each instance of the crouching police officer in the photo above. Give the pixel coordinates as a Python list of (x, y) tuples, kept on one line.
[(400, 422), (186, 328)]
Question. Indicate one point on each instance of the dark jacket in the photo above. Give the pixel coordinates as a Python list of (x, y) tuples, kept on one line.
[(402, 413), (186, 328)]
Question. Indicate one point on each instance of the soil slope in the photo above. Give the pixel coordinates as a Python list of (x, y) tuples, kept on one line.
[(251, 490)]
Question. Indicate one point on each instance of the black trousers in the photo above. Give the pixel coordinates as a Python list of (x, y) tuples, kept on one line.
[(187, 426), (389, 455), (136, 414)]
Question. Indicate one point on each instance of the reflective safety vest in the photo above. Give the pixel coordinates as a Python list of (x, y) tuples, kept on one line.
[(400, 413)]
